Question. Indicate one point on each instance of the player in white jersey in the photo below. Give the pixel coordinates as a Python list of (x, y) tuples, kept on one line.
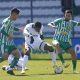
[(33, 38)]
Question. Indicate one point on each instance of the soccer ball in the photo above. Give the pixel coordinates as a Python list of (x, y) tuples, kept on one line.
[(58, 69)]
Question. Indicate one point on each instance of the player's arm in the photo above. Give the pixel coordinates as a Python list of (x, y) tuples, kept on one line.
[(51, 24), (54, 23), (75, 23), (3, 30), (18, 29), (41, 33), (26, 32)]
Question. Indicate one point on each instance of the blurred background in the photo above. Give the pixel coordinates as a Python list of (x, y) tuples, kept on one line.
[(44, 11)]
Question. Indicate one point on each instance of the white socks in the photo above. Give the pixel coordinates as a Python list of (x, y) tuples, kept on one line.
[(10, 58), (53, 57), (25, 60)]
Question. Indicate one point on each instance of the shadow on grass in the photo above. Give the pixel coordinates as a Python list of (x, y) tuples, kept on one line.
[(44, 74), (34, 74), (71, 73)]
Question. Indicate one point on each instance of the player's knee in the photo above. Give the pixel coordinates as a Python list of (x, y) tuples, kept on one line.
[(49, 48), (28, 52), (15, 52)]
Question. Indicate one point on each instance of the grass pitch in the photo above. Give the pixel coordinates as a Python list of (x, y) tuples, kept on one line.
[(41, 70)]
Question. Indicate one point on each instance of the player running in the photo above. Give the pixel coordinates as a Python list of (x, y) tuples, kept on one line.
[(62, 36), (7, 30), (33, 40)]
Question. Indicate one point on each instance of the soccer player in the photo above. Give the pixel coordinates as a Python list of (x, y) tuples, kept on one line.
[(33, 40), (18, 66), (62, 36), (7, 30)]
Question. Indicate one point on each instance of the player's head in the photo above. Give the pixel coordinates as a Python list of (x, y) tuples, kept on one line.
[(14, 13), (37, 26), (68, 15)]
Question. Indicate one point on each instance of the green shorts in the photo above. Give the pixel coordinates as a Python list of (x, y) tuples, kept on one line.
[(64, 45), (7, 48), (10, 48)]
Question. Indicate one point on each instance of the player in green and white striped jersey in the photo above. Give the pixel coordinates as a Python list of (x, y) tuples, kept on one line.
[(7, 38), (62, 37), (7, 30)]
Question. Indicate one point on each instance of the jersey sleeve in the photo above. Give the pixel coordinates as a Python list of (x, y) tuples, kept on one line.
[(4, 28), (26, 31), (75, 23), (41, 30), (54, 23)]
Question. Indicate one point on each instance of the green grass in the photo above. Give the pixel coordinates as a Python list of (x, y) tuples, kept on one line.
[(41, 70)]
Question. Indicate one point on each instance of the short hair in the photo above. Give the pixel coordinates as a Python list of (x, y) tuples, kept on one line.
[(38, 25), (15, 10), (68, 11)]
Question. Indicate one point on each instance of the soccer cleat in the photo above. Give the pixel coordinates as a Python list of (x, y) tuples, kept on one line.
[(23, 72), (66, 65), (26, 68), (10, 72), (75, 72), (4, 68)]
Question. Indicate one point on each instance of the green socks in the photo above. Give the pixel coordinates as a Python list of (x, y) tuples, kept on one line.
[(74, 62), (61, 57), (14, 62)]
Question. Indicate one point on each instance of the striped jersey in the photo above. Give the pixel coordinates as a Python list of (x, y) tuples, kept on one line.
[(63, 29), (8, 27)]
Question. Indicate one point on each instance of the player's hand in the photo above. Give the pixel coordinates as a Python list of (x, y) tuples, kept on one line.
[(20, 29), (42, 37), (10, 37), (32, 40)]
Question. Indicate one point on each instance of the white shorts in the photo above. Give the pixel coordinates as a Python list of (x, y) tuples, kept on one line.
[(55, 42), (37, 44)]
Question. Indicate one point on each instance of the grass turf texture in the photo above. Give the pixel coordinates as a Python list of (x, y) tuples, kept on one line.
[(41, 70)]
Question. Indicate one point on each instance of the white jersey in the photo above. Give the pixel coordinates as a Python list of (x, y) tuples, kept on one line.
[(29, 30)]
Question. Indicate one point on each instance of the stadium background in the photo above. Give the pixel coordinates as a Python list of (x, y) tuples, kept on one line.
[(44, 11)]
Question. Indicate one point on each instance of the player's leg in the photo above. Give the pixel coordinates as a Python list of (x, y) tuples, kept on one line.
[(56, 44), (48, 47), (4, 52), (1, 52), (25, 59), (10, 58), (19, 64), (68, 47), (14, 51), (74, 59)]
